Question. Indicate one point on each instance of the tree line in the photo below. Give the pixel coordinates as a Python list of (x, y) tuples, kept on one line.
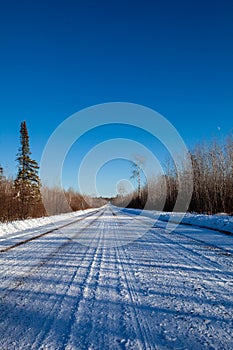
[(21, 198), (211, 174)]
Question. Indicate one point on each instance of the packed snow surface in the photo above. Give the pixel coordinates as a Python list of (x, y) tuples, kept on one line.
[(112, 279)]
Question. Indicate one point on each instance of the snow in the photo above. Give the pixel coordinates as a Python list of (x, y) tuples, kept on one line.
[(21, 225), (221, 222), (110, 279), (217, 228)]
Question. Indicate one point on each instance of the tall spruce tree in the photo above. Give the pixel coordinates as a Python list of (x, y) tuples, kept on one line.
[(27, 182), (1, 172)]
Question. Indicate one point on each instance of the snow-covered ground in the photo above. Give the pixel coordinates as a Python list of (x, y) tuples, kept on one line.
[(22, 225), (110, 279), (221, 222), (210, 229)]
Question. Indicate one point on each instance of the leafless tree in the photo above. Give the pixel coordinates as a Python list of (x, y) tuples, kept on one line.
[(137, 168)]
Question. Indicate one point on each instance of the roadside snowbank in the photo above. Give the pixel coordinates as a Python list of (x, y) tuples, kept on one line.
[(22, 225), (220, 222), (223, 223)]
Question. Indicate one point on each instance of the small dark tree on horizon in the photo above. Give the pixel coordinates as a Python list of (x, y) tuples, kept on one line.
[(27, 182), (1, 172)]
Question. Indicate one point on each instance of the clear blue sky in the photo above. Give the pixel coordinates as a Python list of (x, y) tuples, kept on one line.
[(58, 57)]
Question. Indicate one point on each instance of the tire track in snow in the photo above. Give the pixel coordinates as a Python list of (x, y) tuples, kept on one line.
[(196, 258), (97, 323), (30, 270), (184, 255), (107, 324), (3, 250), (23, 280), (141, 336), (102, 298), (147, 337), (200, 243), (149, 221), (188, 257), (66, 305), (80, 324)]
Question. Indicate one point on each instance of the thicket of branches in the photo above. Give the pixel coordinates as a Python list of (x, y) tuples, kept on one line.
[(57, 201), (212, 171)]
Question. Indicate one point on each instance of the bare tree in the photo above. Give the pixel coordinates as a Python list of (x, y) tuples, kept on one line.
[(137, 168)]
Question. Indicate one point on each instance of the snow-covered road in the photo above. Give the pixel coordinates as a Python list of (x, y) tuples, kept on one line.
[(91, 285)]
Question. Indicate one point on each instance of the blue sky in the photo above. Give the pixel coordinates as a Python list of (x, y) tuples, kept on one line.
[(58, 57)]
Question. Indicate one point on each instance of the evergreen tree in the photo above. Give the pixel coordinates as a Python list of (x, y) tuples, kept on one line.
[(1, 172), (27, 183)]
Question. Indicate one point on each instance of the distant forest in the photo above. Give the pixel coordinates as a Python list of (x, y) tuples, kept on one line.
[(212, 173), (212, 177)]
